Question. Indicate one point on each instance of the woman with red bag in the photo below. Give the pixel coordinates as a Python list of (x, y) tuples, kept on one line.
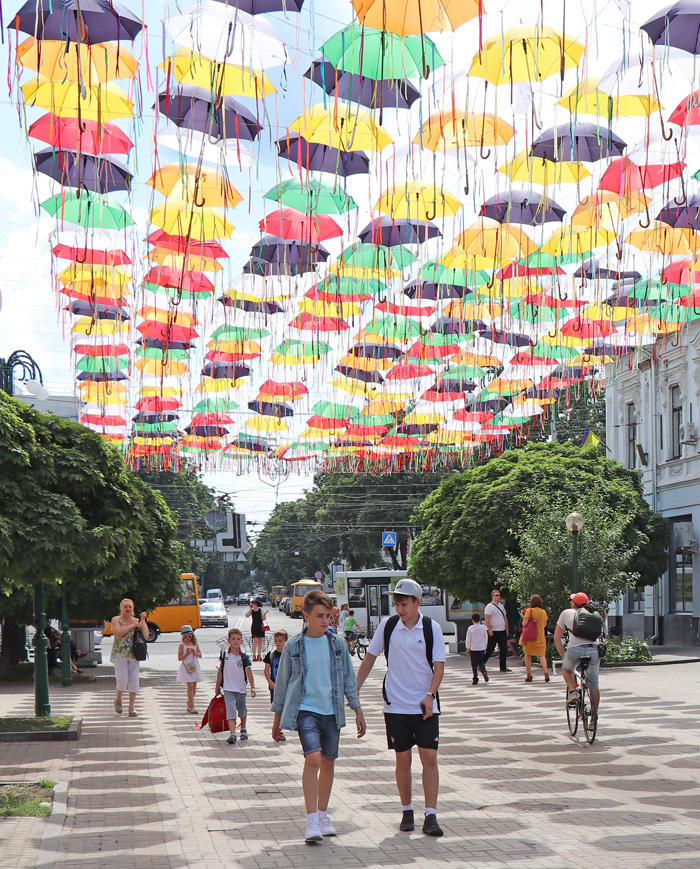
[(533, 639)]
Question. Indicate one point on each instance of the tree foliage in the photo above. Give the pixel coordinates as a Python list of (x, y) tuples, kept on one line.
[(472, 525)]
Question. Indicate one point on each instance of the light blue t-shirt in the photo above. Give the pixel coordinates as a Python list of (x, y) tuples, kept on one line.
[(318, 688)]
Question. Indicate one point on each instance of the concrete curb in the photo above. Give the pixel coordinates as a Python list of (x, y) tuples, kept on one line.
[(71, 734), (612, 664), (54, 825)]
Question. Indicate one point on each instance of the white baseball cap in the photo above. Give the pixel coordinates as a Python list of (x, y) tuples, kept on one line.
[(408, 587)]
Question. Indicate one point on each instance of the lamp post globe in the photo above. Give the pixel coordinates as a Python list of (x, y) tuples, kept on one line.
[(574, 522)]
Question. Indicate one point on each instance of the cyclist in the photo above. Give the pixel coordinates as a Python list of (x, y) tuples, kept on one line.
[(577, 647), (349, 627)]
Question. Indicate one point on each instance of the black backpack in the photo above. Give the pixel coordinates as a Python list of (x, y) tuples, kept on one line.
[(427, 636), (588, 624)]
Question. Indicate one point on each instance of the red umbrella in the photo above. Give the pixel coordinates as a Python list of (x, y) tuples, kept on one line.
[(182, 244), (101, 349), (550, 301), (431, 351), (681, 272), (687, 112), (309, 322), (515, 270), (96, 419), (211, 419), (472, 416), (218, 356), (74, 134), (288, 223), (163, 332), (409, 371), (623, 176), (405, 310), (325, 423), (154, 404), (583, 327), (93, 257), (288, 391), (106, 297), (367, 430), (338, 298), (189, 282)]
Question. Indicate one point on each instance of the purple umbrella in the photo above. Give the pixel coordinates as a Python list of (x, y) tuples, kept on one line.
[(274, 256), (397, 94), (584, 141), (387, 232), (159, 344), (502, 337), (259, 307), (377, 351), (81, 308), (86, 21), (456, 326), (271, 408), (322, 158), (522, 206), (359, 374), (259, 7), (420, 289), (151, 418), (416, 430), (225, 370), (83, 170), (686, 216), (207, 431), (195, 108), (677, 25), (102, 376), (254, 445)]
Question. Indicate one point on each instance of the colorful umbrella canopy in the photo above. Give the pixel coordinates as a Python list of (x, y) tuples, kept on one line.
[(322, 158), (76, 62), (342, 127), (381, 55), (199, 109), (525, 53), (87, 209), (97, 174), (73, 21), (406, 17), (84, 135), (581, 141), (391, 94)]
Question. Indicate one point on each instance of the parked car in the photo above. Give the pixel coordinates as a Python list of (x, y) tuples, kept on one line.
[(288, 607), (243, 599), (213, 613), (282, 604), (229, 599)]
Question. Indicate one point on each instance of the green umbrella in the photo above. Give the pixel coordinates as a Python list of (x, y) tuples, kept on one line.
[(463, 372), (292, 347), (214, 405), (376, 419), (555, 351), (395, 327), (311, 195), (379, 55), (147, 427), (377, 257), (165, 355), (534, 313), (87, 209), (440, 274), (334, 411), (173, 293), (346, 286), (539, 260), (656, 289), (238, 333), (102, 364)]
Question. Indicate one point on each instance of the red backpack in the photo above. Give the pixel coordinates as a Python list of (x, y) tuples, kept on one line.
[(215, 716)]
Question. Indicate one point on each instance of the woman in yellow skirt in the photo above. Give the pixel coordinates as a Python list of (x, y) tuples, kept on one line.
[(535, 648)]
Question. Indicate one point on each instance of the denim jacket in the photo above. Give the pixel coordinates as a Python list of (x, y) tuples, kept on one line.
[(289, 685)]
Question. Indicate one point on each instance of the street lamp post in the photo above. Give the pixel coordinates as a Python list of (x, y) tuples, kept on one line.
[(29, 373), (65, 641), (574, 522)]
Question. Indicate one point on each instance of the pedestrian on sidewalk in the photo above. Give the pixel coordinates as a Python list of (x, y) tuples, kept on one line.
[(235, 671), (497, 626), (190, 671), (477, 639), (535, 648), (257, 629), (415, 667), (126, 667), (272, 660), (315, 673)]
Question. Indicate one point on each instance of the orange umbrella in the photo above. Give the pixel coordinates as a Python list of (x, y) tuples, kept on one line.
[(458, 129)]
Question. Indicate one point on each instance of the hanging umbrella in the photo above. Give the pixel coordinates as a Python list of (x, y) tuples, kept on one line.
[(532, 170), (389, 232), (80, 134), (458, 129), (76, 62), (184, 218), (380, 55), (678, 25), (71, 21), (525, 53), (83, 170), (417, 199), (665, 240), (222, 32), (246, 302), (341, 126), (290, 224), (522, 206), (311, 195), (270, 408), (494, 241), (586, 98), (624, 176), (182, 244), (99, 103), (686, 216), (270, 248), (577, 240), (87, 209), (321, 158), (391, 94), (406, 17), (222, 79), (179, 279), (580, 141), (431, 291), (199, 109), (90, 256)]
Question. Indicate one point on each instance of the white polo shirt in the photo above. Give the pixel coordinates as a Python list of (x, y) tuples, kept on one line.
[(497, 616), (409, 674)]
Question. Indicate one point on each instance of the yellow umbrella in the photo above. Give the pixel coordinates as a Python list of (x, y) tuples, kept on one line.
[(222, 79), (417, 200), (97, 103), (509, 386), (366, 363), (161, 367), (458, 129), (471, 311), (470, 357), (515, 288), (330, 309), (247, 346), (341, 126), (193, 183), (95, 276), (555, 338), (189, 263), (88, 326), (354, 387), (258, 422), (95, 395), (219, 384), (408, 17), (61, 61), (172, 317), (572, 239), (153, 442), (522, 167), (160, 391), (182, 218), (585, 99), (416, 418), (664, 239), (500, 242), (608, 206), (525, 53), (646, 325), (347, 270), (381, 406), (90, 387)]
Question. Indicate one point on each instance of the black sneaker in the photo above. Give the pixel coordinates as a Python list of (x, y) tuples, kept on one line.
[(506, 670), (486, 678), (431, 826), (407, 822), (475, 681)]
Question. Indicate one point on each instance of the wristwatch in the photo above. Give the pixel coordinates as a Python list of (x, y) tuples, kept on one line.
[(432, 695)]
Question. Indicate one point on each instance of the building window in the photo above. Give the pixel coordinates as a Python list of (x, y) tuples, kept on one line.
[(682, 581), (631, 437), (635, 600), (676, 420)]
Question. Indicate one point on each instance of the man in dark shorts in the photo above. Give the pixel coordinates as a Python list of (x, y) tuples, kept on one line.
[(411, 711)]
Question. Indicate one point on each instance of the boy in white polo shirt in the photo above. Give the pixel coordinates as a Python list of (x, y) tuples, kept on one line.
[(415, 667)]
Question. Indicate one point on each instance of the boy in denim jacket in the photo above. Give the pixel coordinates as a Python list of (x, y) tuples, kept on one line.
[(314, 673)]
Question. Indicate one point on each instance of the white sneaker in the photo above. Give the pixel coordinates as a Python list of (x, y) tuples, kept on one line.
[(573, 697), (327, 829), (313, 831)]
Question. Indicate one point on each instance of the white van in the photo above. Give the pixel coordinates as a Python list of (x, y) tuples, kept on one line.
[(215, 594)]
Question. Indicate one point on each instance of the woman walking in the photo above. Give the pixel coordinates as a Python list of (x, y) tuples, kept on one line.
[(190, 671), (126, 667), (535, 648), (257, 615)]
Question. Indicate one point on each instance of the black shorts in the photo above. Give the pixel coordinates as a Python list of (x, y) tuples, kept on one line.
[(405, 731)]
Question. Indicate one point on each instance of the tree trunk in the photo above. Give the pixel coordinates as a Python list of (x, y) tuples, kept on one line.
[(8, 652)]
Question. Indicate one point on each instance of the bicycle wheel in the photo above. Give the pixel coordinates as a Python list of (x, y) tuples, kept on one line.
[(360, 651), (590, 720), (572, 712)]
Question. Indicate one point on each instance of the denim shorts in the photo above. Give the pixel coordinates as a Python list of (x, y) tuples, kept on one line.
[(574, 654), (318, 733), (235, 703)]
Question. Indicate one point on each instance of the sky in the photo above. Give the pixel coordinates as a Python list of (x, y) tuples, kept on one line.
[(29, 318)]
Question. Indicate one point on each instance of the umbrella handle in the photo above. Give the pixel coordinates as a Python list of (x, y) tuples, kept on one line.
[(196, 192), (677, 339), (648, 221), (381, 300), (481, 150), (492, 279), (431, 216), (684, 197)]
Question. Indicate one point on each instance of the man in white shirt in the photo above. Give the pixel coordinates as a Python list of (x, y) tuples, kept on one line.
[(497, 626), (411, 711), (577, 648), (477, 640)]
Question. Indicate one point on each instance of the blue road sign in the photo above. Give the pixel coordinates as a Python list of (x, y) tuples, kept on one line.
[(389, 538)]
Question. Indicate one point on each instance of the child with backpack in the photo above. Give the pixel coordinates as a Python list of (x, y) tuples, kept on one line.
[(235, 670), (414, 648), (272, 663), (315, 675)]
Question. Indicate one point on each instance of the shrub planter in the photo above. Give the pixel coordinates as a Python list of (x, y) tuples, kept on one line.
[(71, 734)]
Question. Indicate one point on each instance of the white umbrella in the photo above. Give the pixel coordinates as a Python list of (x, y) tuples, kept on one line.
[(192, 143)]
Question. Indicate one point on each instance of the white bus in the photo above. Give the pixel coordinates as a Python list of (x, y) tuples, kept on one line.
[(365, 593)]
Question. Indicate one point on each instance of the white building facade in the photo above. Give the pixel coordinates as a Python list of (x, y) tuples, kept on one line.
[(653, 411)]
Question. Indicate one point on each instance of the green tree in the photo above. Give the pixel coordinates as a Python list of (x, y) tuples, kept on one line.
[(469, 527), (576, 411)]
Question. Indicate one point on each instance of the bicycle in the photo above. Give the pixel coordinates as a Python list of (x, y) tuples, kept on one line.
[(360, 644), (582, 709)]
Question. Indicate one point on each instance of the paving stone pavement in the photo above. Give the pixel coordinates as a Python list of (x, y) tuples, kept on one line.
[(515, 789)]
